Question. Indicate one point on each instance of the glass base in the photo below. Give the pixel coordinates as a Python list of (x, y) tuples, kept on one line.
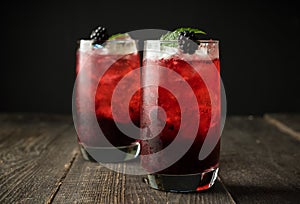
[(182, 183), (110, 154)]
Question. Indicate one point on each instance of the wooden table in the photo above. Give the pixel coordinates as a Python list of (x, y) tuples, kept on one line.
[(40, 162)]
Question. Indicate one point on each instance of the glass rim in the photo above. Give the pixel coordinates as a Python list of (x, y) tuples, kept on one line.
[(172, 41), (109, 41), (136, 40)]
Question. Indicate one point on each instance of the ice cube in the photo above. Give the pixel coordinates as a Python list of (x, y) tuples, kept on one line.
[(157, 49), (152, 49), (85, 45), (167, 50), (208, 48), (121, 46)]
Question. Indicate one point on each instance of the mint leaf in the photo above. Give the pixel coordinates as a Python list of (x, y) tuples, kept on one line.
[(119, 36), (195, 30), (170, 36), (175, 34)]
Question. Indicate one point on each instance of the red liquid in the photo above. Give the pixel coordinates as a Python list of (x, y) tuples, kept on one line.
[(189, 163), (91, 66)]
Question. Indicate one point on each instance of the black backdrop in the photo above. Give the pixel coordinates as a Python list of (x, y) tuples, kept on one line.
[(259, 43)]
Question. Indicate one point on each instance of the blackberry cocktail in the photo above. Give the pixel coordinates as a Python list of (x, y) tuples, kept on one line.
[(101, 64), (183, 70)]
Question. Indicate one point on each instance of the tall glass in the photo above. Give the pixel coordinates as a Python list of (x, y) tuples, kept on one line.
[(99, 69), (180, 116)]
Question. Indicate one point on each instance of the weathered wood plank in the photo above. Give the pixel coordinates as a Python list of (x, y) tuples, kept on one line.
[(39, 162), (287, 123), (35, 157), (217, 194), (137, 191), (89, 182), (259, 164)]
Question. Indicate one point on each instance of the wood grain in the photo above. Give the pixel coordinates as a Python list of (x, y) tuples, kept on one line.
[(34, 157), (137, 191), (259, 164), (89, 182), (217, 194), (40, 163), (287, 123)]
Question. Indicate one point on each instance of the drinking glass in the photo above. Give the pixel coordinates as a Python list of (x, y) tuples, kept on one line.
[(98, 118), (180, 115)]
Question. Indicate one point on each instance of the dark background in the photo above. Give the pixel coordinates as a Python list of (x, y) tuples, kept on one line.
[(259, 43)]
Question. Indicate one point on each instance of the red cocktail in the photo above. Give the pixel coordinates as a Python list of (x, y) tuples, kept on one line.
[(182, 77), (99, 70)]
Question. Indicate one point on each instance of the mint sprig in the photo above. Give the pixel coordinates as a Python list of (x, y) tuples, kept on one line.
[(195, 30), (175, 34), (118, 36)]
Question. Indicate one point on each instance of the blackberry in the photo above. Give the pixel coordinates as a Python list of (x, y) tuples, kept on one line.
[(99, 35), (188, 41)]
